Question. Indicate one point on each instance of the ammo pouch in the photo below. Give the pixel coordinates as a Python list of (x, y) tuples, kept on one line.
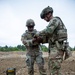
[(62, 34), (59, 45)]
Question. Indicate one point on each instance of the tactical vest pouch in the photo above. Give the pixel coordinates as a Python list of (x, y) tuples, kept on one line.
[(67, 50), (62, 34)]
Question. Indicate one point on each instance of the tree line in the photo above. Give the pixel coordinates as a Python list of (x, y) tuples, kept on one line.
[(19, 48), (23, 48)]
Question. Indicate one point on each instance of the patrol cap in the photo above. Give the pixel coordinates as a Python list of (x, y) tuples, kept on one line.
[(30, 22), (45, 11)]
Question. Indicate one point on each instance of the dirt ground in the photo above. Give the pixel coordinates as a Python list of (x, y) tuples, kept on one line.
[(17, 60)]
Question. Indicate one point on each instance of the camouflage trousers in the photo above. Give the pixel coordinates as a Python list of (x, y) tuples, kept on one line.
[(30, 64), (54, 66)]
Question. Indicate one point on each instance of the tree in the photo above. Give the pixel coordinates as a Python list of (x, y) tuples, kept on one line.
[(44, 48), (21, 47)]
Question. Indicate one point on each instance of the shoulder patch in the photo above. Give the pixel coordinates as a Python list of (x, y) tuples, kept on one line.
[(54, 21)]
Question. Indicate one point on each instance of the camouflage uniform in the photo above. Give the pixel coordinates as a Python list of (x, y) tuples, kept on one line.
[(56, 37), (33, 53)]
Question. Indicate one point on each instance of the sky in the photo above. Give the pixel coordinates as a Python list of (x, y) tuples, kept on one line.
[(14, 14)]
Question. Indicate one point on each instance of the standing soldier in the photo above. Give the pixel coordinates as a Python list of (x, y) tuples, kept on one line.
[(33, 49), (56, 36)]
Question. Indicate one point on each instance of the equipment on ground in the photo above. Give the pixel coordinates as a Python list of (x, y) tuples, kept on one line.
[(11, 71)]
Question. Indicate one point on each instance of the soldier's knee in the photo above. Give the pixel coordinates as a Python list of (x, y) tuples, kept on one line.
[(55, 64), (40, 60)]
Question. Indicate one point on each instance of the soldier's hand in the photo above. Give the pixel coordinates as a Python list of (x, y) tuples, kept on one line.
[(36, 35), (39, 39), (34, 40)]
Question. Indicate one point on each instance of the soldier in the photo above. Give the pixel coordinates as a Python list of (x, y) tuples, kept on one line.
[(34, 52), (56, 35)]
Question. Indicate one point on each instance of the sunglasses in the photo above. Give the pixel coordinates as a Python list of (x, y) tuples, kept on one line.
[(30, 26)]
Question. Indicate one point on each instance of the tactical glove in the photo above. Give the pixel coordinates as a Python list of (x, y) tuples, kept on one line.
[(37, 39)]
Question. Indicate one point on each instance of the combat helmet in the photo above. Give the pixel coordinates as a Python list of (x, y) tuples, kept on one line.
[(46, 11), (30, 22)]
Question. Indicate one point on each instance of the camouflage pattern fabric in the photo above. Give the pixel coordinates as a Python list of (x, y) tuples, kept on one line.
[(55, 60), (30, 63), (33, 53), (54, 66), (56, 44)]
